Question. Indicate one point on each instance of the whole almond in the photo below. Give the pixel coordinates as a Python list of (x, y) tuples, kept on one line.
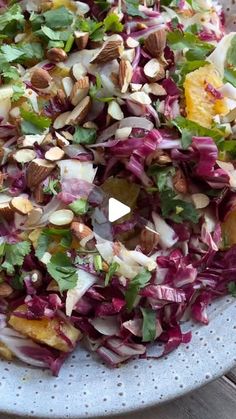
[(80, 230), (148, 240), (5, 290), (180, 182), (40, 78), (37, 171), (155, 43), (56, 55), (110, 50), (125, 75), (81, 39)]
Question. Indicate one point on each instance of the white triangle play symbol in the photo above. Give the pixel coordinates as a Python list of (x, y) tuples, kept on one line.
[(117, 209)]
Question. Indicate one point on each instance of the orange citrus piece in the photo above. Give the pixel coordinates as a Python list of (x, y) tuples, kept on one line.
[(229, 229)]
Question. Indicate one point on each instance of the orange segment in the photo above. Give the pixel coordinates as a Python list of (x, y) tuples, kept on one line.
[(229, 229), (201, 106)]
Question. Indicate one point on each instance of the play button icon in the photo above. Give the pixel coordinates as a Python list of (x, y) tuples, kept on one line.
[(116, 210)]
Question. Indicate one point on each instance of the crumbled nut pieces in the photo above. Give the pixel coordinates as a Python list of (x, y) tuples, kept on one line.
[(56, 55), (110, 50), (125, 75), (40, 78), (54, 154), (62, 217), (5, 290), (79, 90), (67, 84), (155, 43), (21, 205), (148, 240), (78, 71), (81, 39), (114, 110), (140, 97), (153, 70), (34, 216), (154, 88), (180, 182), (61, 120), (37, 171)]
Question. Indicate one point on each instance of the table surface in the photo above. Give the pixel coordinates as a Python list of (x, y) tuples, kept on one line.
[(216, 400)]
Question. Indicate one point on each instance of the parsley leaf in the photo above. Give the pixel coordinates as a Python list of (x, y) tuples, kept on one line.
[(53, 35), (23, 52), (112, 23), (189, 129), (95, 29), (11, 20), (231, 53), (138, 282), (33, 123), (132, 8), (14, 255), (112, 270), (79, 206), (58, 18), (232, 288), (63, 271), (84, 135), (198, 49), (42, 245), (18, 91), (149, 324), (8, 72)]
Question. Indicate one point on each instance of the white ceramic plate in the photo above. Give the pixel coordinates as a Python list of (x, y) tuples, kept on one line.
[(87, 388)]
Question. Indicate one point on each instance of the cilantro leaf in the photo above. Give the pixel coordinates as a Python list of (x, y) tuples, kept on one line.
[(189, 129), (188, 66), (58, 18), (112, 23), (112, 270), (23, 52), (14, 255), (176, 209), (63, 271), (52, 188), (11, 53), (79, 206), (95, 29), (132, 8), (198, 49), (42, 245), (11, 20), (84, 135), (33, 123), (149, 324), (232, 288), (53, 35), (18, 91), (138, 282), (230, 76), (231, 53), (8, 72)]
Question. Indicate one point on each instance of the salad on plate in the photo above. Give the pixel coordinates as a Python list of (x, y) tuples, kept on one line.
[(131, 100)]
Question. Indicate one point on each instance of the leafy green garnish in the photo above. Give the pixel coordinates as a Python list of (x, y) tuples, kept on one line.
[(97, 262), (84, 135), (230, 76), (8, 72), (22, 52), (42, 245), (188, 66), (190, 129), (135, 285), (48, 235), (231, 53), (52, 188), (112, 270), (14, 255), (63, 271), (232, 288), (132, 8), (12, 20), (79, 206), (53, 35), (112, 23), (95, 29), (198, 49), (58, 18), (18, 91), (149, 324), (33, 123), (102, 4)]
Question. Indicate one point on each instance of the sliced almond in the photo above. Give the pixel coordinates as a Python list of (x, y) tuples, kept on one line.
[(110, 50), (125, 75), (154, 88), (123, 133), (54, 154), (131, 42), (180, 182), (79, 91), (78, 71), (61, 140), (135, 87), (6, 212), (128, 54), (37, 171), (114, 110), (81, 39), (21, 205), (81, 231), (148, 239), (40, 78), (67, 84), (31, 140), (80, 112), (140, 97), (5, 290), (34, 216), (90, 124), (68, 136), (39, 194), (153, 70), (24, 155), (61, 217), (61, 120), (156, 42), (200, 200), (56, 55)]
